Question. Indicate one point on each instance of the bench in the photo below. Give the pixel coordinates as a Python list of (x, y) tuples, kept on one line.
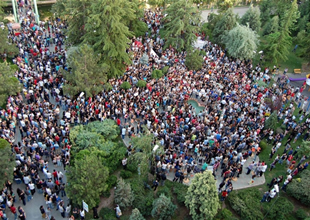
[(297, 71)]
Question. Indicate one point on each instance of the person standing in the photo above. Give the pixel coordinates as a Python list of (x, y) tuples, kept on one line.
[(118, 211), (124, 163), (82, 214), (163, 178), (14, 211), (265, 196), (68, 210), (42, 210), (155, 184)]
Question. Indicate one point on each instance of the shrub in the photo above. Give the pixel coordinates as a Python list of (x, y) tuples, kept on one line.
[(144, 201), (125, 174), (193, 60), (125, 85), (281, 208), (300, 189), (14, 67), (107, 87), (165, 70), (180, 190), (106, 194), (123, 195), (279, 130), (107, 214), (246, 204), (141, 84), (163, 208), (156, 74), (132, 168), (224, 214), (164, 190), (263, 145), (301, 214), (111, 181)]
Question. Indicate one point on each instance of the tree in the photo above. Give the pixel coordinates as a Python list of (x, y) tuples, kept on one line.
[(7, 162), (223, 26), (224, 5), (181, 24), (202, 196), (272, 121), (304, 149), (137, 25), (2, 5), (252, 18), (86, 75), (123, 196), (272, 26), (278, 43), (163, 208), (107, 32), (125, 85), (303, 39), (9, 84), (241, 42), (193, 60), (141, 84), (157, 74), (87, 180), (136, 215), (6, 49), (282, 208)]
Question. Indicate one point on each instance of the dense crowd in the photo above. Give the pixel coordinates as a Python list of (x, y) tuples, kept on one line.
[(222, 136)]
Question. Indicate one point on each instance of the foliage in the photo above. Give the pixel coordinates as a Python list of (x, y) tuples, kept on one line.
[(86, 75), (163, 208), (180, 190), (246, 203), (7, 162), (165, 191), (241, 42), (123, 196), (87, 180), (181, 24), (278, 43), (225, 5), (226, 22), (224, 214), (107, 87), (143, 198), (193, 60), (272, 121), (107, 214), (141, 84), (303, 40), (9, 84), (111, 181), (252, 18), (136, 215), (281, 208), (261, 83), (135, 24), (156, 74), (165, 70), (301, 214), (125, 174), (272, 26), (202, 196), (144, 60), (125, 85), (265, 7), (132, 167), (9, 49), (304, 149)]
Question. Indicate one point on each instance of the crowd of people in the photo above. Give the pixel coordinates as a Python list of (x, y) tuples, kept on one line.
[(222, 136)]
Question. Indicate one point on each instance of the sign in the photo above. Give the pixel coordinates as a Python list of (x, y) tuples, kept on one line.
[(85, 206)]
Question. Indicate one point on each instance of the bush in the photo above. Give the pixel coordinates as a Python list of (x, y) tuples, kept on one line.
[(107, 87), (163, 208), (141, 84), (106, 194), (281, 208), (279, 131), (156, 74), (263, 145), (125, 85), (224, 214), (164, 190), (246, 203), (180, 190), (132, 168), (111, 181), (125, 174), (165, 70), (193, 60), (107, 214), (300, 189), (301, 214), (14, 67)]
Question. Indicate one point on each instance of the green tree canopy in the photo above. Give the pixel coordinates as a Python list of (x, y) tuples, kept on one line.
[(252, 18), (303, 40), (107, 31), (7, 161), (6, 49), (241, 42), (163, 208), (86, 74), (304, 149), (136, 215), (9, 84), (193, 60), (123, 196), (224, 5), (272, 26), (87, 180), (181, 24), (299, 188), (223, 26), (272, 121), (202, 196)]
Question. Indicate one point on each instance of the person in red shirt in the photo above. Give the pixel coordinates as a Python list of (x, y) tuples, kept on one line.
[(118, 121), (224, 195), (55, 174), (14, 211)]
